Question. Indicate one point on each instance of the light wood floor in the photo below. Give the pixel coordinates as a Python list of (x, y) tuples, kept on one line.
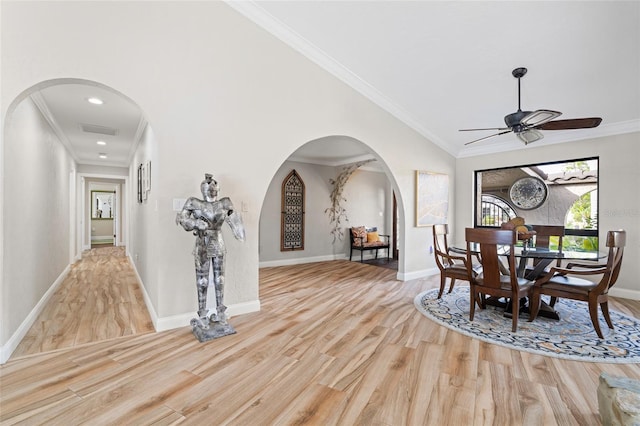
[(336, 343), (99, 299)]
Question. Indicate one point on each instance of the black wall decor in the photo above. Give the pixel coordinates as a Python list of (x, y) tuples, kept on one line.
[(292, 214)]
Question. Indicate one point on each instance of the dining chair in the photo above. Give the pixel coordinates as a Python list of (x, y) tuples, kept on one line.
[(565, 282), (451, 266), (491, 281), (543, 241)]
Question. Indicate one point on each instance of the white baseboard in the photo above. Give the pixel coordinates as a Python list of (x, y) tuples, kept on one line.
[(300, 260), (13, 342), (623, 293), (183, 320), (145, 295), (406, 276)]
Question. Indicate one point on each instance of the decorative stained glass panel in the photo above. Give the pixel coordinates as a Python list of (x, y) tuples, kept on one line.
[(292, 222)]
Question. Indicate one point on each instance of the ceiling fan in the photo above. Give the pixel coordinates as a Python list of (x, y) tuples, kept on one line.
[(527, 124)]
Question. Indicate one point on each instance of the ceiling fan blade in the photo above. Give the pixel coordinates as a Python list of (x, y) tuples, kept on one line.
[(530, 135), (539, 117), (573, 123), (487, 137), (500, 129)]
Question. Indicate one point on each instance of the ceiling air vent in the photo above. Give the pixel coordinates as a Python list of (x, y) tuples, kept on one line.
[(102, 130)]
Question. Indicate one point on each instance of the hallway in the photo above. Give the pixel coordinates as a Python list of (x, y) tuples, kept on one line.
[(99, 299)]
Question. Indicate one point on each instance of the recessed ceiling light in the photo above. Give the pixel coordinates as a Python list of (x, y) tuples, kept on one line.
[(95, 101), (101, 143), (102, 155)]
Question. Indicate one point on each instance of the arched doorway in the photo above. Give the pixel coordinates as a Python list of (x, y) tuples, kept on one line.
[(368, 198), (56, 132)]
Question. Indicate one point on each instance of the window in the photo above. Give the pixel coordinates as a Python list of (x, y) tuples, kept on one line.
[(557, 193), (495, 211)]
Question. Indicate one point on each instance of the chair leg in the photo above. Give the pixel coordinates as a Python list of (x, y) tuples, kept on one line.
[(361, 256), (534, 305), (376, 253), (605, 312), (481, 298), (515, 311), (593, 312), (350, 254), (442, 283), (472, 299), (552, 301), (453, 281)]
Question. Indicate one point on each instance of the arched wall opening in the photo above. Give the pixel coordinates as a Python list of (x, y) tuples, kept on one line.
[(43, 199), (367, 197)]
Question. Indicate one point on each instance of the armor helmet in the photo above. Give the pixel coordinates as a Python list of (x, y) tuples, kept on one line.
[(209, 188)]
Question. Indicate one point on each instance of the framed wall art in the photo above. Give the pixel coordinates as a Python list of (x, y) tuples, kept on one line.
[(292, 213), (140, 183), (432, 198)]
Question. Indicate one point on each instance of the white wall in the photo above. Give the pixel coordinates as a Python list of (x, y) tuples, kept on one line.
[(366, 196), (143, 219), (618, 178), (36, 230), (222, 96)]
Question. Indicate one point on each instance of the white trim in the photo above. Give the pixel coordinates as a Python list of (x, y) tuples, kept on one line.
[(402, 276), (624, 293), (509, 143), (84, 221), (145, 295), (253, 11), (101, 237), (41, 104), (183, 320), (301, 260), (13, 342)]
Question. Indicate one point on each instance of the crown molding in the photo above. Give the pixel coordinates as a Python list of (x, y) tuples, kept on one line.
[(552, 137), (262, 18), (41, 104), (253, 11), (142, 125), (331, 163)]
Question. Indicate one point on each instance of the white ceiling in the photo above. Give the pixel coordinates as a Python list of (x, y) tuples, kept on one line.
[(80, 125), (439, 66)]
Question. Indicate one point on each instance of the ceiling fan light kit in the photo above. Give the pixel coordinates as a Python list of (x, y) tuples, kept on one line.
[(525, 124), (528, 136)]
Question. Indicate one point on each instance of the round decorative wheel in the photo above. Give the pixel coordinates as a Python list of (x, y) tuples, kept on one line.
[(528, 193)]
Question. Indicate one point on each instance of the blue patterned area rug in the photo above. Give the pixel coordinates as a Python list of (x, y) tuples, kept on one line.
[(572, 337)]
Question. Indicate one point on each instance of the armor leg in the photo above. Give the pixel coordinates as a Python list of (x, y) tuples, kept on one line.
[(218, 280), (202, 279)]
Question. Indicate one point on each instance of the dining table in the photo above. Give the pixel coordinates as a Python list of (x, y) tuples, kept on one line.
[(542, 257)]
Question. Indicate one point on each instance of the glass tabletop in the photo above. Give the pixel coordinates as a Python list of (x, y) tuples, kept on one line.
[(536, 253)]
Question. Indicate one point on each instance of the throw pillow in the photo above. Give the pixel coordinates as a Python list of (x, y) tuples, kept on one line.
[(359, 231), (372, 237)]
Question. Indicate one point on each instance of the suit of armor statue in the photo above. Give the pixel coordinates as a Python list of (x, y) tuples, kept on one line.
[(205, 219)]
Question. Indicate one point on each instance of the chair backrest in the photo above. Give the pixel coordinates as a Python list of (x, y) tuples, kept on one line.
[(545, 232), (616, 240), (440, 244), (489, 240), (543, 237)]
